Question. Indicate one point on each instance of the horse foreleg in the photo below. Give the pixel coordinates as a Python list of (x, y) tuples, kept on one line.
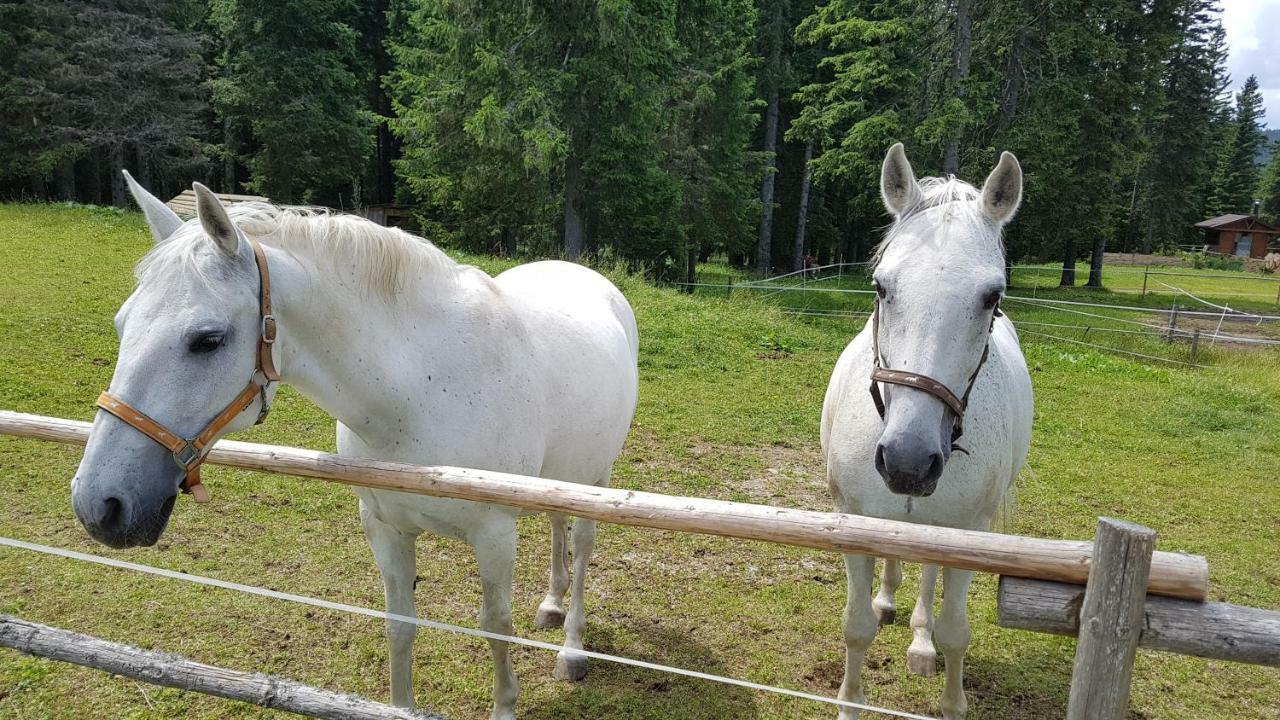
[(495, 548), (922, 659), (860, 625), (953, 638), (551, 611), (885, 602), (571, 665), (393, 552)]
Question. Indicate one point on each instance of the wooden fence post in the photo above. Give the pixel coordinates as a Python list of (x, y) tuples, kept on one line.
[(1145, 272), (1110, 621), (1173, 323)]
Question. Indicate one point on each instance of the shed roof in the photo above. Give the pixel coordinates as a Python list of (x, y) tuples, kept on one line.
[(1240, 222)]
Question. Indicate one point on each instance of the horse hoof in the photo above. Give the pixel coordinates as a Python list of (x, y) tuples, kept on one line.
[(549, 617), (922, 662), (570, 667), (887, 615)]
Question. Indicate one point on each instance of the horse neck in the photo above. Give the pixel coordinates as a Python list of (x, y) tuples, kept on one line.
[(342, 340)]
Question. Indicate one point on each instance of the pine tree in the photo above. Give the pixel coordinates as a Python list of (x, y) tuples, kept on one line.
[(1269, 187), (1235, 182), (293, 76)]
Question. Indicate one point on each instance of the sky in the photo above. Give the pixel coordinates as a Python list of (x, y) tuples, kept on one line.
[(1251, 27)]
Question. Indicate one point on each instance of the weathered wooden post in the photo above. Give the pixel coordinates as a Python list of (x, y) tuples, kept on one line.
[(1145, 271), (1110, 621), (728, 292), (1173, 323)]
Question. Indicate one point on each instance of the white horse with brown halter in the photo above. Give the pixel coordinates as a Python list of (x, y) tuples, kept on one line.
[(419, 359), (946, 374)]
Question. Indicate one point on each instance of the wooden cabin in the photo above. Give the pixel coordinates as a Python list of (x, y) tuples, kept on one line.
[(1239, 235)]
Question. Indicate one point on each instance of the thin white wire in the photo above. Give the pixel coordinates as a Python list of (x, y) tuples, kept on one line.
[(1108, 348), (472, 632)]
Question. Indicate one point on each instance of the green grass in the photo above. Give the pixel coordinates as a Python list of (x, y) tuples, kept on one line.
[(731, 391)]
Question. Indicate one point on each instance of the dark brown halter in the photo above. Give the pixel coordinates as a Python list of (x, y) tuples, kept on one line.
[(189, 453), (924, 383)]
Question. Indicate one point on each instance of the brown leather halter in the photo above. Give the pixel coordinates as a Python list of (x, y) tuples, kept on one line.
[(189, 453), (924, 383)]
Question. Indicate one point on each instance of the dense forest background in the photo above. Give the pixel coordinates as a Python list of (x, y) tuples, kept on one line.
[(657, 131)]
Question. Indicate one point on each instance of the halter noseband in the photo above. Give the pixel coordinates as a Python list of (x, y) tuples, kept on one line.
[(924, 383), (189, 453)]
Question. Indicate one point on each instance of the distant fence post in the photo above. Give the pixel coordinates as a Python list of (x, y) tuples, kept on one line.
[(1173, 323), (1111, 621), (728, 292), (1145, 271)]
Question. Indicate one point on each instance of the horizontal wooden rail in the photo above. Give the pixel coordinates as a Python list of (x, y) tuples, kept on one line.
[(177, 672), (1172, 574), (1210, 630)]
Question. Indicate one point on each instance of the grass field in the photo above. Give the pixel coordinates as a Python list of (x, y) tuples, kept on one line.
[(731, 391)]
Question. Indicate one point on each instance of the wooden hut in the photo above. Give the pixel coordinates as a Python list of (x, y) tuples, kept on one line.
[(185, 203), (1239, 235)]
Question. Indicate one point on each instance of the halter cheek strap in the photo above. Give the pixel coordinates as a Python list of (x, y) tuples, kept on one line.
[(924, 383), (189, 453)]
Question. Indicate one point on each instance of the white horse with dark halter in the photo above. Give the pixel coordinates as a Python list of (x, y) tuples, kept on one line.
[(928, 415), (419, 359)]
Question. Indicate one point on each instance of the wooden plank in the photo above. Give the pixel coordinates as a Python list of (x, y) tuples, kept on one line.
[(1173, 574), (177, 672), (1219, 631), (1110, 621)]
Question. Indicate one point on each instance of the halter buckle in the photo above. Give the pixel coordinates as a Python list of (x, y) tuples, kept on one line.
[(186, 456), (268, 329)]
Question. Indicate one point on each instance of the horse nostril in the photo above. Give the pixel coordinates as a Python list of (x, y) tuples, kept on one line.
[(880, 465), (110, 514), (936, 465)]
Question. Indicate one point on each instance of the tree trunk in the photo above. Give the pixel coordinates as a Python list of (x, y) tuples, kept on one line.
[(144, 166), (962, 52), (119, 192), (1095, 263), (574, 237), (229, 157), (1013, 70), (802, 213), (1068, 265), (691, 267), (65, 178), (764, 249), (90, 169), (509, 241), (773, 75)]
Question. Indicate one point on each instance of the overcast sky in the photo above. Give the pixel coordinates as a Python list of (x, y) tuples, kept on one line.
[(1251, 32)]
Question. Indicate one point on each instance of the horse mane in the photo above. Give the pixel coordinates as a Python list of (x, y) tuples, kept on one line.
[(960, 200), (384, 257)]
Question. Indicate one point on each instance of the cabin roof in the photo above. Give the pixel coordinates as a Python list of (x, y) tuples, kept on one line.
[(1238, 222)]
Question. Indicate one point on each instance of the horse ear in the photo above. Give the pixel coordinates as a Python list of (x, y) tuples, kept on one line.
[(162, 221), (898, 184), (1002, 191), (213, 218)]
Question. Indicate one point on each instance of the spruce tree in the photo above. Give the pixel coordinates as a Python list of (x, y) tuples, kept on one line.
[(1235, 182)]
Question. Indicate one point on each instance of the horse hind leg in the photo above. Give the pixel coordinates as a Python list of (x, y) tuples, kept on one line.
[(860, 626), (922, 658), (551, 611), (953, 639), (885, 603), (571, 665), (495, 548), (393, 551)]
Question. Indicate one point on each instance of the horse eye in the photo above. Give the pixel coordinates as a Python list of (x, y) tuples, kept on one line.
[(992, 299), (206, 343), (879, 290)]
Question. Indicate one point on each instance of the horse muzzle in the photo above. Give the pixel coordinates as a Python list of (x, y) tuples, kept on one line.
[(120, 521), (910, 465)]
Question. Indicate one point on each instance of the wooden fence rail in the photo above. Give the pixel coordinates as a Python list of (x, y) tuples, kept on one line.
[(1172, 574), (177, 672)]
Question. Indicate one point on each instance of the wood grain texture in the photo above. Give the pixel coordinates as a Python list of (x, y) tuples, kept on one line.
[(1110, 621), (1219, 631), (177, 672), (1172, 574)]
